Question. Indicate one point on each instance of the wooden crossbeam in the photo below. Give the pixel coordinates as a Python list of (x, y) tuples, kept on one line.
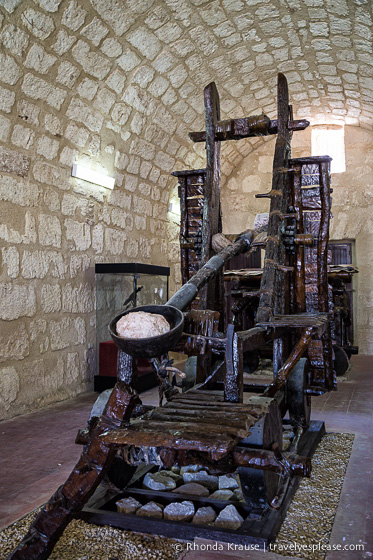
[(235, 129)]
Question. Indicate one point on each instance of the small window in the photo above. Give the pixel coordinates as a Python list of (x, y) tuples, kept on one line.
[(329, 140)]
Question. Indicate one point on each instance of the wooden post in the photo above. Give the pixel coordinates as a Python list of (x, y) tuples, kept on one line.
[(233, 380), (273, 284), (212, 296)]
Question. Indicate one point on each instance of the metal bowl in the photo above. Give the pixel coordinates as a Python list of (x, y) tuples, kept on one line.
[(156, 345)]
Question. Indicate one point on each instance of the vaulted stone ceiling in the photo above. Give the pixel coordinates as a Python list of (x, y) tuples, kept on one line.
[(146, 63)]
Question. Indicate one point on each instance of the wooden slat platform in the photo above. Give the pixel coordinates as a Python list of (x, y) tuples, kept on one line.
[(196, 421)]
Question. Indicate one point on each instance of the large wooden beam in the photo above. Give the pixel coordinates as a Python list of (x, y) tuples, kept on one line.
[(248, 127)]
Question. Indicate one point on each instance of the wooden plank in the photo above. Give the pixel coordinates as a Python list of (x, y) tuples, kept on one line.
[(192, 416), (247, 127), (221, 429), (218, 448)]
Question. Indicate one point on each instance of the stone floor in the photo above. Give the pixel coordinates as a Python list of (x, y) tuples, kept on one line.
[(38, 453)]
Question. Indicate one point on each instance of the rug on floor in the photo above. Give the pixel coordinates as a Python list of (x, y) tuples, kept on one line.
[(309, 519)]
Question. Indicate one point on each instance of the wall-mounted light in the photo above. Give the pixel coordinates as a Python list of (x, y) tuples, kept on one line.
[(86, 174)]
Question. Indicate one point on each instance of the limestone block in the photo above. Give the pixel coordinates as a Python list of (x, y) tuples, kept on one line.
[(104, 101), (37, 23), (73, 368), (80, 112), (112, 48), (145, 169), (202, 477), (87, 88), (51, 200), (121, 219), (30, 229), (127, 505), (94, 145), (229, 518), (47, 147), (159, 481), (68, 157), (67, 332), (36, 88), (77, 299), (7, 99), (53, 124), (71, 204), (78, 264), (22, 136), (49, 230), (143, 76), (13, 162), (38, 59), (28, 112), (145, 41), (179, 511), (67, 74), (158, 86), (130, 182), (36, 264), (10, 258), (51, 175), (128, 61), (116, 81), (9, 69), (14, 342), (93, 63), (142, 206), (14, 39), (79, 233), (49, 5), (9, 387), (10, 5), (51, 298), (74, 16), (193, 489), (223, 495), (145, 248), (4, 128), (137, 98), (142, 148), (204, 516), (164, 161), (111, 12), (114, 241), (132, 248), (95, 31), (77, 134), (98, 238), (64, 42), (17, 301), (151, 509), (228, 482)]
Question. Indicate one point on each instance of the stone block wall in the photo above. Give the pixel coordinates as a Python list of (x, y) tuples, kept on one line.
[(70, 91), (351, 208)]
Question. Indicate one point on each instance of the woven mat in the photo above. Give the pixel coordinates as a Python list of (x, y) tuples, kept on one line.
[(309, 519)]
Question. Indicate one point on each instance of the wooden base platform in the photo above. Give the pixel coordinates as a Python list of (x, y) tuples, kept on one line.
[(256, 529)]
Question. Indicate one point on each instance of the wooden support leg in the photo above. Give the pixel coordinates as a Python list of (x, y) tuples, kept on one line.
[(233, 381), (283, 374), (82, 482)]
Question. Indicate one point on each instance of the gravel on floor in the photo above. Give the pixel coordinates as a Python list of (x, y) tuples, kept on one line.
[(309, 519)]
